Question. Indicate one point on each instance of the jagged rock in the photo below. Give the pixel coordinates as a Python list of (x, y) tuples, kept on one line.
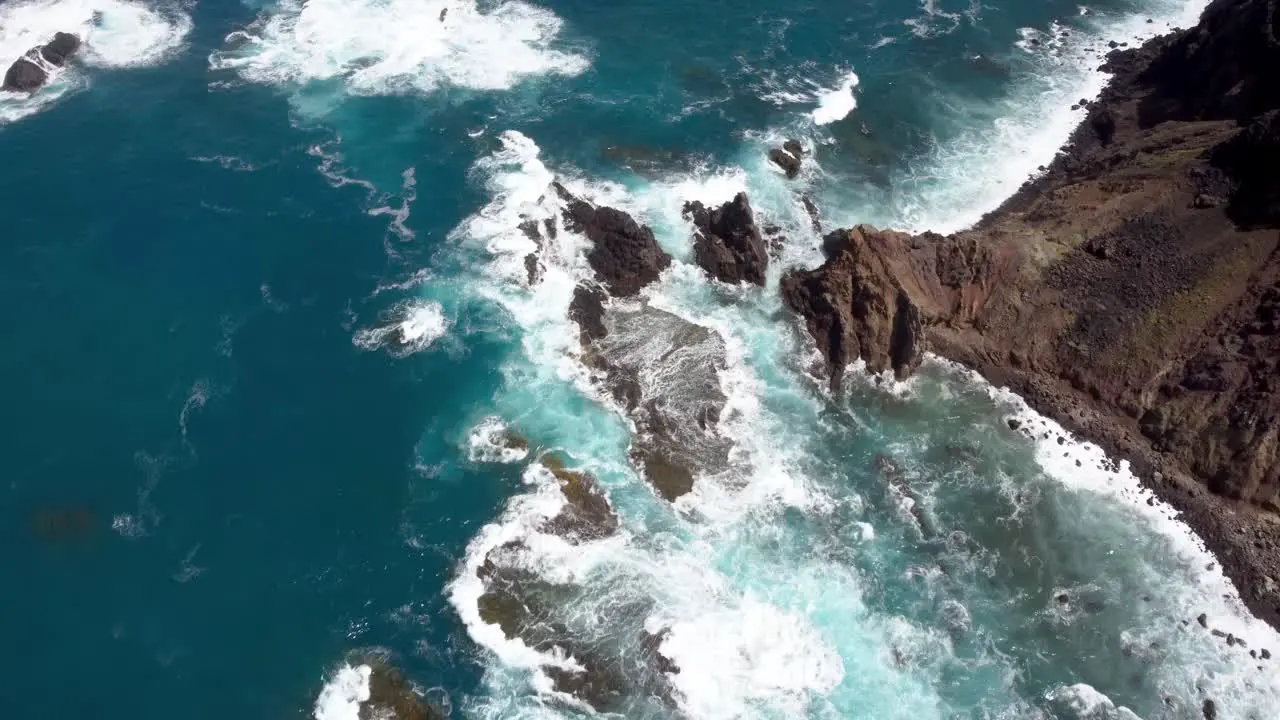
[(856, 307), (1104, 124), (789, 163), (727, 243), (1131, 290), (815, 218), (587, 309), (1250, 160), (1224, 67), (624, 253), (651, 643)]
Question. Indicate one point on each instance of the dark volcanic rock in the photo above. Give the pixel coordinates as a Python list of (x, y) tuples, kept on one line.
[(587, 514), (789, 163), (1223, 68), (665, 372), (587, 309), (624, 255), (855, 306), (24, 76), (1252, 160), (527, 607), (727, 242), (391, 694), (62, 47), (26, 73), (1131, 290)]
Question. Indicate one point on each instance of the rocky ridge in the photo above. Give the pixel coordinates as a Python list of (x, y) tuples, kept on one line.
[(1131, 291)]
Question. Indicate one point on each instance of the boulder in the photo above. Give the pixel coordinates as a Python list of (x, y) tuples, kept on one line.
[(62, 47), (27, 73), (727, 243), (24, 76), (789, 163)]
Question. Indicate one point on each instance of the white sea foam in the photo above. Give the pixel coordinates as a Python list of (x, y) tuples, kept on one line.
[(407, 328), (1084, 702), (730, 658), (490, 442), (341, 696), (115, 34), (836, 104), (379, 47), (1189, 577)]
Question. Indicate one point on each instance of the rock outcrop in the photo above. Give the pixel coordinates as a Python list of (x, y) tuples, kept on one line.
[(625, 255), (540, 613), (28, 73), (789, 157), (1131, 291), (661, 369), (727, 243), (856, 306)]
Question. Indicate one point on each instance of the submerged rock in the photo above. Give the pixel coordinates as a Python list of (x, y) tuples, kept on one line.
[(727, 243), (527, 607), (664, 370), (391, 694)]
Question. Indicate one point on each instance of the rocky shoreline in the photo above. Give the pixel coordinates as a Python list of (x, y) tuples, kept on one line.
[(1131, 291)]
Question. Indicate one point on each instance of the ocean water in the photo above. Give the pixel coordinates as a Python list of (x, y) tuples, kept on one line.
[(268, 317)]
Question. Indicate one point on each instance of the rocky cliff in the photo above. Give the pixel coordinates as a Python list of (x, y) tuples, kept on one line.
[(1131, 291)]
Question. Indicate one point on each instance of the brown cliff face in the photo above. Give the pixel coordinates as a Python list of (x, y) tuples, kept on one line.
[(1132, 291)]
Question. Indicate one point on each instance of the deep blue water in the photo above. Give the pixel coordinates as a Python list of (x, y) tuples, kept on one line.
[(212, 493)]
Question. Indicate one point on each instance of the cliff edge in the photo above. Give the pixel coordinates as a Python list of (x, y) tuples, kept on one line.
[(1131, 291)]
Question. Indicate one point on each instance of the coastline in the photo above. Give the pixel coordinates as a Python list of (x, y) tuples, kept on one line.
[(1127, 291)]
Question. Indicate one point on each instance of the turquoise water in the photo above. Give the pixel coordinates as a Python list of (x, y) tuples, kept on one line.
[(222, 477)]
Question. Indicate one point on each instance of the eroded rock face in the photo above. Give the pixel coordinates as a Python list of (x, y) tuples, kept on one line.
[(856, 306), (625, 255), (1130, 291), (1222, 68), (727, 243)]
